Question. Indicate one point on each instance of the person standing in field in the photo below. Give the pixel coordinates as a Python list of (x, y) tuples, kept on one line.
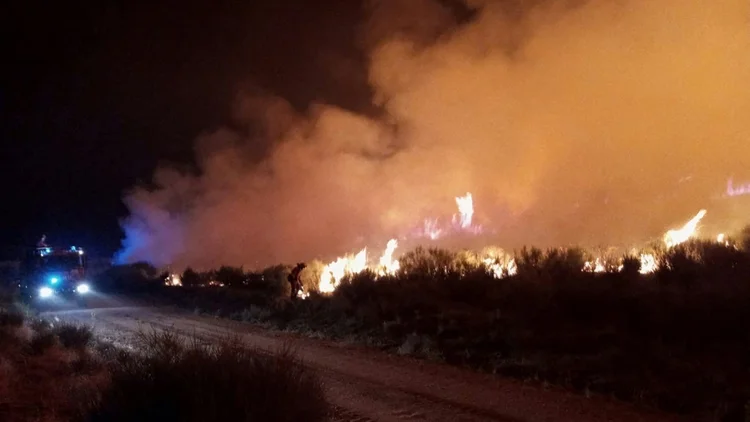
[(295, 280)]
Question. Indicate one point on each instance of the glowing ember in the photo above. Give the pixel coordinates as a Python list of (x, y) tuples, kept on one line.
[(173, 280), (675, 237), (302, 294), (648, 264), (387, 264)]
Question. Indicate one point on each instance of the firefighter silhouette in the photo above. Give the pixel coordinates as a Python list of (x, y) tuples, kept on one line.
[(42, 242), (294, 279)]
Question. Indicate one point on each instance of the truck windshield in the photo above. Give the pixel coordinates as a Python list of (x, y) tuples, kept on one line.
[(62, 262)]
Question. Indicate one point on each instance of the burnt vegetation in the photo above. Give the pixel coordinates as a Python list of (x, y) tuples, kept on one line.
[(677, 339)]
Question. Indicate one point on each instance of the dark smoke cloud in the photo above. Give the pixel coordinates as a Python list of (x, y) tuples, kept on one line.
[(591, 122)]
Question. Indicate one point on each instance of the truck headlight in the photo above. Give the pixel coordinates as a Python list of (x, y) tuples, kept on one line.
[(82, 288), (45, 292)]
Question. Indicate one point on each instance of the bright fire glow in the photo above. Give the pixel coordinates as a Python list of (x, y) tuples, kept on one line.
[(676, 236), (432, 229), (336, 270), (596, 267), (498, 262), (466, 209), (387, 264), (173, 280), (648, 264), (462, 222)]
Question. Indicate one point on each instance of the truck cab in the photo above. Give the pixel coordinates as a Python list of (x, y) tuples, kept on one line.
[(48, 273)]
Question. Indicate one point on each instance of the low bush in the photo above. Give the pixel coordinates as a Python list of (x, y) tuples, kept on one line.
[(183, 381), (74, 336)]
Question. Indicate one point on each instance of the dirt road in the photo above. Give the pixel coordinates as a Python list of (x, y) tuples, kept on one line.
[(368, 385)]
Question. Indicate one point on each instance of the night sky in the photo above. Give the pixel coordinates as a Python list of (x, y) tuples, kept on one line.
[(97, 94)]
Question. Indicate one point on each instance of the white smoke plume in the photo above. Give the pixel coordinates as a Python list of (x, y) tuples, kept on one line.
[(570, 122)]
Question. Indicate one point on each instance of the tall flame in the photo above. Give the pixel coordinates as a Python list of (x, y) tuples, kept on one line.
[(648, 263), (387, 264), (466, 209), (676, 236), (336, 270)]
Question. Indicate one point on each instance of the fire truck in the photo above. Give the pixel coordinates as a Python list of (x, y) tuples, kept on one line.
[(48, 274)]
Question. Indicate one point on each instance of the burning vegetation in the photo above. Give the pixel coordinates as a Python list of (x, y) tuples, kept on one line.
[(493, 259), (575, 123), (587, 123)]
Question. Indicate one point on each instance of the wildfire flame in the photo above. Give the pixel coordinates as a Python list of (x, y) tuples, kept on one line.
[(387, 264), (596, 267), (432, 229), (336, 270), (463, 221), (173, 280), (466, 210), (737, 190), (676, 236), (648, 264), (499, 263)]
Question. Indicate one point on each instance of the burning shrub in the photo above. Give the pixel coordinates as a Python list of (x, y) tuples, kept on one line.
[(703, 261)]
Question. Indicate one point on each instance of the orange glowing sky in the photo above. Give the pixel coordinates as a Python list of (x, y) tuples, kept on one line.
[(606, 122)]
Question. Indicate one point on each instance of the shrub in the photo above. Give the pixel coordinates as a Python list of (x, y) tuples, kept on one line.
[(743, 240), (552, 265), (175, 381), (191, 278), (631, 266), (133, 277), (432, 262), (231, 276), (273, 280), (41, 341), (10, 318), (74, 336)]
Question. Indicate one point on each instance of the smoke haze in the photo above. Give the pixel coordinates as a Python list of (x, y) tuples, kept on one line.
[(570, 122)]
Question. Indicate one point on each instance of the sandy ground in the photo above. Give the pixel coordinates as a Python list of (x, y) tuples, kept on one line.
[(364, 384)]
